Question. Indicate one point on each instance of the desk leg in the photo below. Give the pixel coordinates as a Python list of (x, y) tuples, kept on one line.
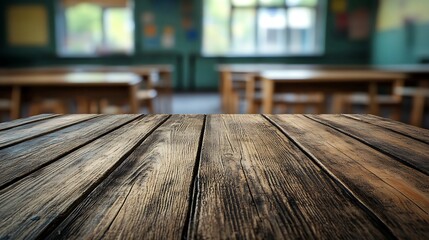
[(373, 105), (338, 103), (83, 105), (222, 91), (226, 83), (134, 103), (250, 93), (15, 112), (168, 89), (418, 107), (321, 107), (267, 96)]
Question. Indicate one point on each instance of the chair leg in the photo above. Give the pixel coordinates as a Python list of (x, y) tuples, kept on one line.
[(257, 106), (396, 113), (235, 103), (338, 103), (150, 107), (93, 106), (320, 108), (35, 107), (299, 108), (282, 108), (60, 108)]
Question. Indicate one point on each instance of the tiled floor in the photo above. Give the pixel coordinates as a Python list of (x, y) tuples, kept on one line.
[(194, 103)]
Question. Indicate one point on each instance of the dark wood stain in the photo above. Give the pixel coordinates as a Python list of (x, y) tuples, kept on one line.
[(49, 192), (23, 121), (397, 194), (25, 132), (156, 177), (213, 177), (254, 183), (21, 159), (413, 153), (417, 133)]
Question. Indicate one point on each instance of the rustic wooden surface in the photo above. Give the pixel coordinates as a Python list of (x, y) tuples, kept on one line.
[(213, 177)]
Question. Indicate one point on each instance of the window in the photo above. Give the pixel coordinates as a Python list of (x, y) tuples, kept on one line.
[(96, 27), (263, 27)]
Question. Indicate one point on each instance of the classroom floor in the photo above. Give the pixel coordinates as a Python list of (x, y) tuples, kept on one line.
[(196, 103)]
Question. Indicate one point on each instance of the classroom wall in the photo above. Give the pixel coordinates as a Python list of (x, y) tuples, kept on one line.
[(402, 32), (192, 71)]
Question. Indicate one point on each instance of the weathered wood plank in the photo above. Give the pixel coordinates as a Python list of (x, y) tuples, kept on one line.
[(147, 196), (396, 193), (23, 121), (22, 133), (19, 160), (254, 183), (407, 150), (44, 197), (420, 134)]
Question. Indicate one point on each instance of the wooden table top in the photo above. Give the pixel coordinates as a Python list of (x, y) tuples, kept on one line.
[(74, 79), (330, 75), (260, 67), (137, 69), (214, 176)]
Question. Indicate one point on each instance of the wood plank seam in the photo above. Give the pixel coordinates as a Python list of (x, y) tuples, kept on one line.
[(16, 179), (47, 132), (193, 189), (123, 202), (409, 164), (353, 197), (50, 116), (51, 226), (389, 129)]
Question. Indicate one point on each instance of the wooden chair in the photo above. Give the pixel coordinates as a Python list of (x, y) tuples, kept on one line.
[(420, 95), (39, 106), (297, 102), (5, 109), (392, 101), (146, 96)]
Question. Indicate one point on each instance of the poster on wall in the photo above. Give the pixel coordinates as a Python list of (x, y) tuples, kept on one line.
[(27, 25), (359, 24), (168, 39)]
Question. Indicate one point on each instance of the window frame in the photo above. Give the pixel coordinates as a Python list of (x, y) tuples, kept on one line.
[(61, 32), (321, 16)]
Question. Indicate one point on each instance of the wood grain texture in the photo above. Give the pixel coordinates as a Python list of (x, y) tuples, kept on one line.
[(23, 121), (147, 196), (254, 183), (397, 194), (33, 204), (417, 133), (407, 150), (22, 133), (21, 159)]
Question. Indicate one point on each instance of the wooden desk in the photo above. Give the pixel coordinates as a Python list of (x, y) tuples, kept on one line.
[(163, 83), (325, 81), (215, 176), (82, 86), (420, 74), (226, 83)]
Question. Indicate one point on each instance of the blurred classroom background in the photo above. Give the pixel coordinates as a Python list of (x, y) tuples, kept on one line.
[(215, 56)]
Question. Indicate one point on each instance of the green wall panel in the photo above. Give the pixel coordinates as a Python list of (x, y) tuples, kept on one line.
[(193, 71)]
